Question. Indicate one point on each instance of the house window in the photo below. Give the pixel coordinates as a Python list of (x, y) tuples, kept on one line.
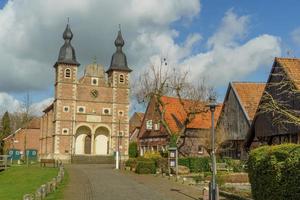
[(67, 73), (66, 108), (81, 109), (94, 81), (200, 149), (149, 124), (65, 131), (121, 113), (121, 78), (106, 111), (157, 127)]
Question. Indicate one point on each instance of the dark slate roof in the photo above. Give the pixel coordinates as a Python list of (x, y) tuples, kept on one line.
[(67, 52), (119, 60)]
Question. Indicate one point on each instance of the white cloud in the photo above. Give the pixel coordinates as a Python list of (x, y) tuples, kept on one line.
[(230, 59), (11, 104), (8, 103), (31, 35), (31, 31), (38, 107), (296, 35)]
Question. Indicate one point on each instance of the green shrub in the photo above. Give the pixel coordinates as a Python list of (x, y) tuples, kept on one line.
[(131, 162), (195, 164), (155, 156), (274, 172), (145, 167), (133, 150)]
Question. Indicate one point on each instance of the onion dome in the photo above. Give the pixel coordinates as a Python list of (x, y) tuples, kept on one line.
[(67, 52), (119, 60)]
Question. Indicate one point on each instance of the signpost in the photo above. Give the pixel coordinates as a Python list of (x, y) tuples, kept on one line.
[(173, 160)]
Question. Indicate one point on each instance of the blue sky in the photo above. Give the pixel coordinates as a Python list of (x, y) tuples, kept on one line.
[(272, 22)]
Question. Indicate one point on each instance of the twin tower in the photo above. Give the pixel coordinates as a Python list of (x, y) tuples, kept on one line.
[(90, 115)]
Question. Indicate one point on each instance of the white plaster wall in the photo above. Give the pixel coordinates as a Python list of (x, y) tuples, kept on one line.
[(101, 145), (79, 144)]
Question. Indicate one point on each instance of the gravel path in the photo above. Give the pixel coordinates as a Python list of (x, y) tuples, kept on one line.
[(95, 182)]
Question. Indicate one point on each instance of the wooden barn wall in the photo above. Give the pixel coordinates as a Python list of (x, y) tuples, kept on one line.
[(232, 120), (264, 124)]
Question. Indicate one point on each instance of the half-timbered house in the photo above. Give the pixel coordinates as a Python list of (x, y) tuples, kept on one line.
[(153, 136)]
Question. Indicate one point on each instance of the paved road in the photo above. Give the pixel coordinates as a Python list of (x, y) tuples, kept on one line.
[(95, 182)]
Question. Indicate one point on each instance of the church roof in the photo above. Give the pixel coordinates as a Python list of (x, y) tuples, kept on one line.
[(119, 60), (67, 52)]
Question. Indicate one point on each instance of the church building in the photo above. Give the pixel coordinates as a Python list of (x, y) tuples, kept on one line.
[(90, 115)]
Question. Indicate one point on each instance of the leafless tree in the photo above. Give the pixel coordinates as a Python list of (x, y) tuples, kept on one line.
[(162, 80), (281, 100)]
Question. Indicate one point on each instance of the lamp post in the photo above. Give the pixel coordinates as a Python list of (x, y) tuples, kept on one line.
[(118, 156), (213, 186)]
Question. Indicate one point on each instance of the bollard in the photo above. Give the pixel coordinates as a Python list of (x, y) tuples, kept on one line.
[(38, 194), (28, 197), (205, 193), (44, 191), (49, 187)]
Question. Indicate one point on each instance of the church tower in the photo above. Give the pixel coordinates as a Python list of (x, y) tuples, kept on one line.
[(119, 81), (65, 98)]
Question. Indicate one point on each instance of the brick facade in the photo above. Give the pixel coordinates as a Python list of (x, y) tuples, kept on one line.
[(88, 113)]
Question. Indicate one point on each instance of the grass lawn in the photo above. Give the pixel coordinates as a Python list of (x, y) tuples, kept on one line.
[(19, 180)]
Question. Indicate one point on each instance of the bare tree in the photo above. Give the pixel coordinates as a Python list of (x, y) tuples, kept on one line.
[(281, 100), (161, 80)]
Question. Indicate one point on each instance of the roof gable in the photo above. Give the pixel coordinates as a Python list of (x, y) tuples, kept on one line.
[(292, 67), (175, 114), (248, 95)]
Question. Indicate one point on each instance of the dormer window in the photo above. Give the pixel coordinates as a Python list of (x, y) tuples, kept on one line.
[(67, 73), (121, 78), (94, 81)]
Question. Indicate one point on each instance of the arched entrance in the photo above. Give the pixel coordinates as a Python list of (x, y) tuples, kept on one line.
[(101, 141), (83, 140)]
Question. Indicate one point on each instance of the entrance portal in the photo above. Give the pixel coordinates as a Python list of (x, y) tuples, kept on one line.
[(102, 141), (83, 140)]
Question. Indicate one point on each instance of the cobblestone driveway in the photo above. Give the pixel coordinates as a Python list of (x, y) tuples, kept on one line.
[(95, 182)]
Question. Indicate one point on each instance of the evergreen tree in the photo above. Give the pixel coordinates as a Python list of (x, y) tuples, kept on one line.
[(6, 130)]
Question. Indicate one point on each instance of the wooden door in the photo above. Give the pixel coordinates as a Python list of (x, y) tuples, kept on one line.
[(87, 144)]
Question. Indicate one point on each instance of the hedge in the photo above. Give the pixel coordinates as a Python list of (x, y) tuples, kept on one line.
[(145, 167), (274, 172), (195, 164), (133, 150)]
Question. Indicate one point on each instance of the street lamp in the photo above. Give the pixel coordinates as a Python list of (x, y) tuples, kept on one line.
[(214, 194)]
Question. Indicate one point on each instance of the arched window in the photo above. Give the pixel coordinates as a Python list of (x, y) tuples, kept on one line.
[(121, 78), (67, 73)]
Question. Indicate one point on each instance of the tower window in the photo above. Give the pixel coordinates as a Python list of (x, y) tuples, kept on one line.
[(121, 113), (94, 81), (81, 109), (67, 73), (66, 108), (65, 131), (121, 78)]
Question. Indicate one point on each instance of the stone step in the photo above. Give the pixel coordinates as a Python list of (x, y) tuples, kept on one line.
[(92, 159)]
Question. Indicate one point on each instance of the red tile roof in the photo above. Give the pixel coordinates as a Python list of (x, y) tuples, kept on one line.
[(175, 108), (292, 68), (249, 95)]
